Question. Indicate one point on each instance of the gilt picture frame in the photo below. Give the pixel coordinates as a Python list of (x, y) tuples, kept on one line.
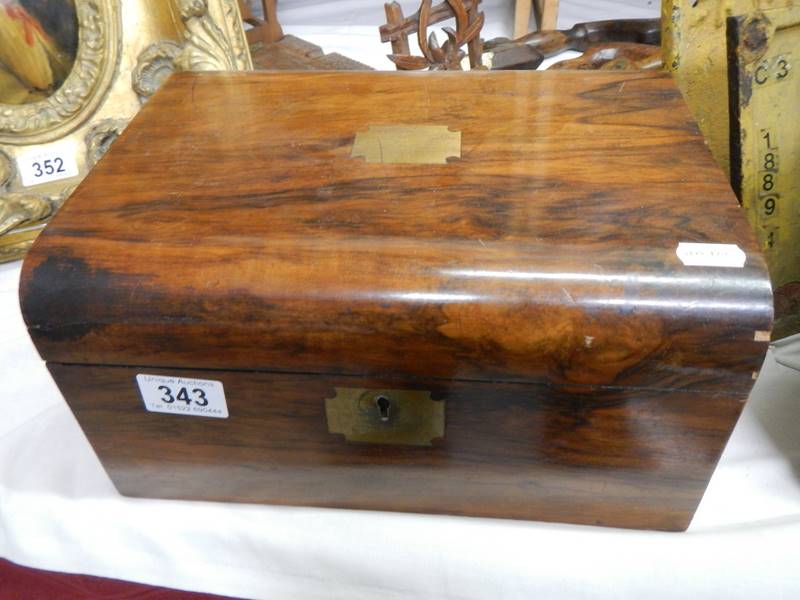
[(73, 76)]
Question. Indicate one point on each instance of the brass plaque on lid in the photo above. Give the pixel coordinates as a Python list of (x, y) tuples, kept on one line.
[(407, 144)]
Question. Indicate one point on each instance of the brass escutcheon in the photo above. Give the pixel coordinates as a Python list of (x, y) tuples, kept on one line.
[(377, 416)]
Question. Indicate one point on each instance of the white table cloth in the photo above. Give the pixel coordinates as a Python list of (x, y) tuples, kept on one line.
[(59, 510)]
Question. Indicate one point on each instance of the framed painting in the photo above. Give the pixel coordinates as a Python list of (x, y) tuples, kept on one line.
[(74, 72), (38, 46)]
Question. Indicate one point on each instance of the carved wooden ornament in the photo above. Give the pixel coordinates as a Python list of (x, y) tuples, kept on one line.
[(449, 55)]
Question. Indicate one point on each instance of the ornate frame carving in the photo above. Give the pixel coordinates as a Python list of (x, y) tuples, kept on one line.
[(92, 73), (117, 68)]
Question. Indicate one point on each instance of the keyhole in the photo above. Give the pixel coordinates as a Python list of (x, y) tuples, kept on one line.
[(383, 404)]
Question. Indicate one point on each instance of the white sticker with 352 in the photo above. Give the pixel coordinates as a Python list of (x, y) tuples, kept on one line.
[(51, 163), (183, 396)]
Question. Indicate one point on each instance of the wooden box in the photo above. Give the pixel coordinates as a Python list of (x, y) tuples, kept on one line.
[(457, 293)]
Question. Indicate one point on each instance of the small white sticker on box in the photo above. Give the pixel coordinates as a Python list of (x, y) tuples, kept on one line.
[(52, 163), (711, 255), (183, 396)]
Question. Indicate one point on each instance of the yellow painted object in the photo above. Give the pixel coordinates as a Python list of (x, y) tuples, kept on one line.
[(694, 43), (765, 145)]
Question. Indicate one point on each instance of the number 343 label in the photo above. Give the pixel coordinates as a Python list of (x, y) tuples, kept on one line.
[(181, 396)]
